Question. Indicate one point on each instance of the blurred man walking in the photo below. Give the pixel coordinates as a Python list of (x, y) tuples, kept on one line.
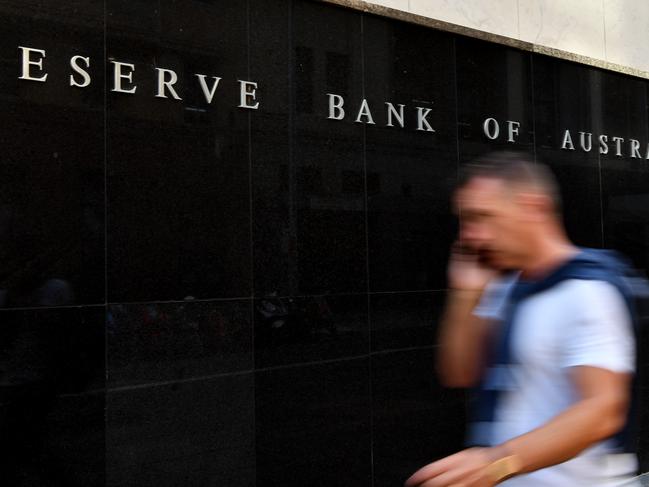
[(543, 330)]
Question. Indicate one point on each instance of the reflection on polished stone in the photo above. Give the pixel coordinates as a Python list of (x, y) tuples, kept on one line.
[(493, 82), (177, 341), (568, 97), (313, 425), (625, 204), (410, 173), (643, 431), (625, 197), (624, 109), (51, 397), (308, 183), (51, 176), (178, 170), (309, 329), (305, 208), (404, 320), (415, 421), (325, 209), (185, 433), (273, 207), (642, 345)]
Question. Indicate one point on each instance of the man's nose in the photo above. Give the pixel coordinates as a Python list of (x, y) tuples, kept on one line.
[(469, 232), (473, 235)]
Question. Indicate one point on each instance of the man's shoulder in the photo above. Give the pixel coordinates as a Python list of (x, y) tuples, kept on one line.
[(586, 287), (583, 300), (587, 292)]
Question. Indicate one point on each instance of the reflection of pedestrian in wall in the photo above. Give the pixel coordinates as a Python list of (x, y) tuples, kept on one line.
[(549, 348)]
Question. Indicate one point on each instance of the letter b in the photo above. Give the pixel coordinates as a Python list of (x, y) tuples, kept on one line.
[(336, 111)]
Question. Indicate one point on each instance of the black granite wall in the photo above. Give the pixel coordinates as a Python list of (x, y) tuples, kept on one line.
[(199, 294)]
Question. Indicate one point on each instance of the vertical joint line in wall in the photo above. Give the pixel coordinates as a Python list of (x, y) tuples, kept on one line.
[(457, 111), (601, 197), (362, 28), (251, 301), (250, 208), (363, 80), (367, 256), (457, 121), (250, 201), (365, 188), (531, 73), (294, 252), (105, 100)]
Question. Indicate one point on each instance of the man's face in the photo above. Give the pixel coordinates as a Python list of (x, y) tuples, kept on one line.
[(493, 223)]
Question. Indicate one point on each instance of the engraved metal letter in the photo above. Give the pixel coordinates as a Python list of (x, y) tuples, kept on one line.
[(118, 76), (567, 141), (512, 129), (491, 128), (364, 111), (586, 143), (27, 62), (248, 95), (603, 146), (74, 64), (209, 93), (618, 145), (397, 114), (336, 110), (164, 83), (422, 113)]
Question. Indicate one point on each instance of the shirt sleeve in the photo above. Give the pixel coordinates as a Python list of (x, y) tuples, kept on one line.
[(601, 334)]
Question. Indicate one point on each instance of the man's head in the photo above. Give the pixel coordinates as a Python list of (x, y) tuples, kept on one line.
[(508, 207)]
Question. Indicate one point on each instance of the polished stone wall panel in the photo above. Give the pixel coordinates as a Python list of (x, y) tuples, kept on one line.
[(569, 97), (198, 432), (313, 425), (275, 260), (492, 82), (178, 225), (411, 170), (414, 419), (177, 341), (327, 199), (625, 178), (52, 396), (310, 329), (642, 413), (52, 171), (404, 320)]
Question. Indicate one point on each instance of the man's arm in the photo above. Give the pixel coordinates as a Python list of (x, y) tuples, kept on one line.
[(462, 334), (462, 340), (599, 414)]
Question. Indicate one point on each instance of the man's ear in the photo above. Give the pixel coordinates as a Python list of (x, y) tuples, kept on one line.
[(536, 206)]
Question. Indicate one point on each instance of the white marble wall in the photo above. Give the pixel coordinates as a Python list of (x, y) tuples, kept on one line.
[(615, 31)]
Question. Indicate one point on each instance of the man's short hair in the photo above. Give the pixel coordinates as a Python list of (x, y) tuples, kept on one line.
[(514, 169)]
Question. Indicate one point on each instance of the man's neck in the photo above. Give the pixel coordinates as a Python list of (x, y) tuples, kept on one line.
[(549, 256)]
